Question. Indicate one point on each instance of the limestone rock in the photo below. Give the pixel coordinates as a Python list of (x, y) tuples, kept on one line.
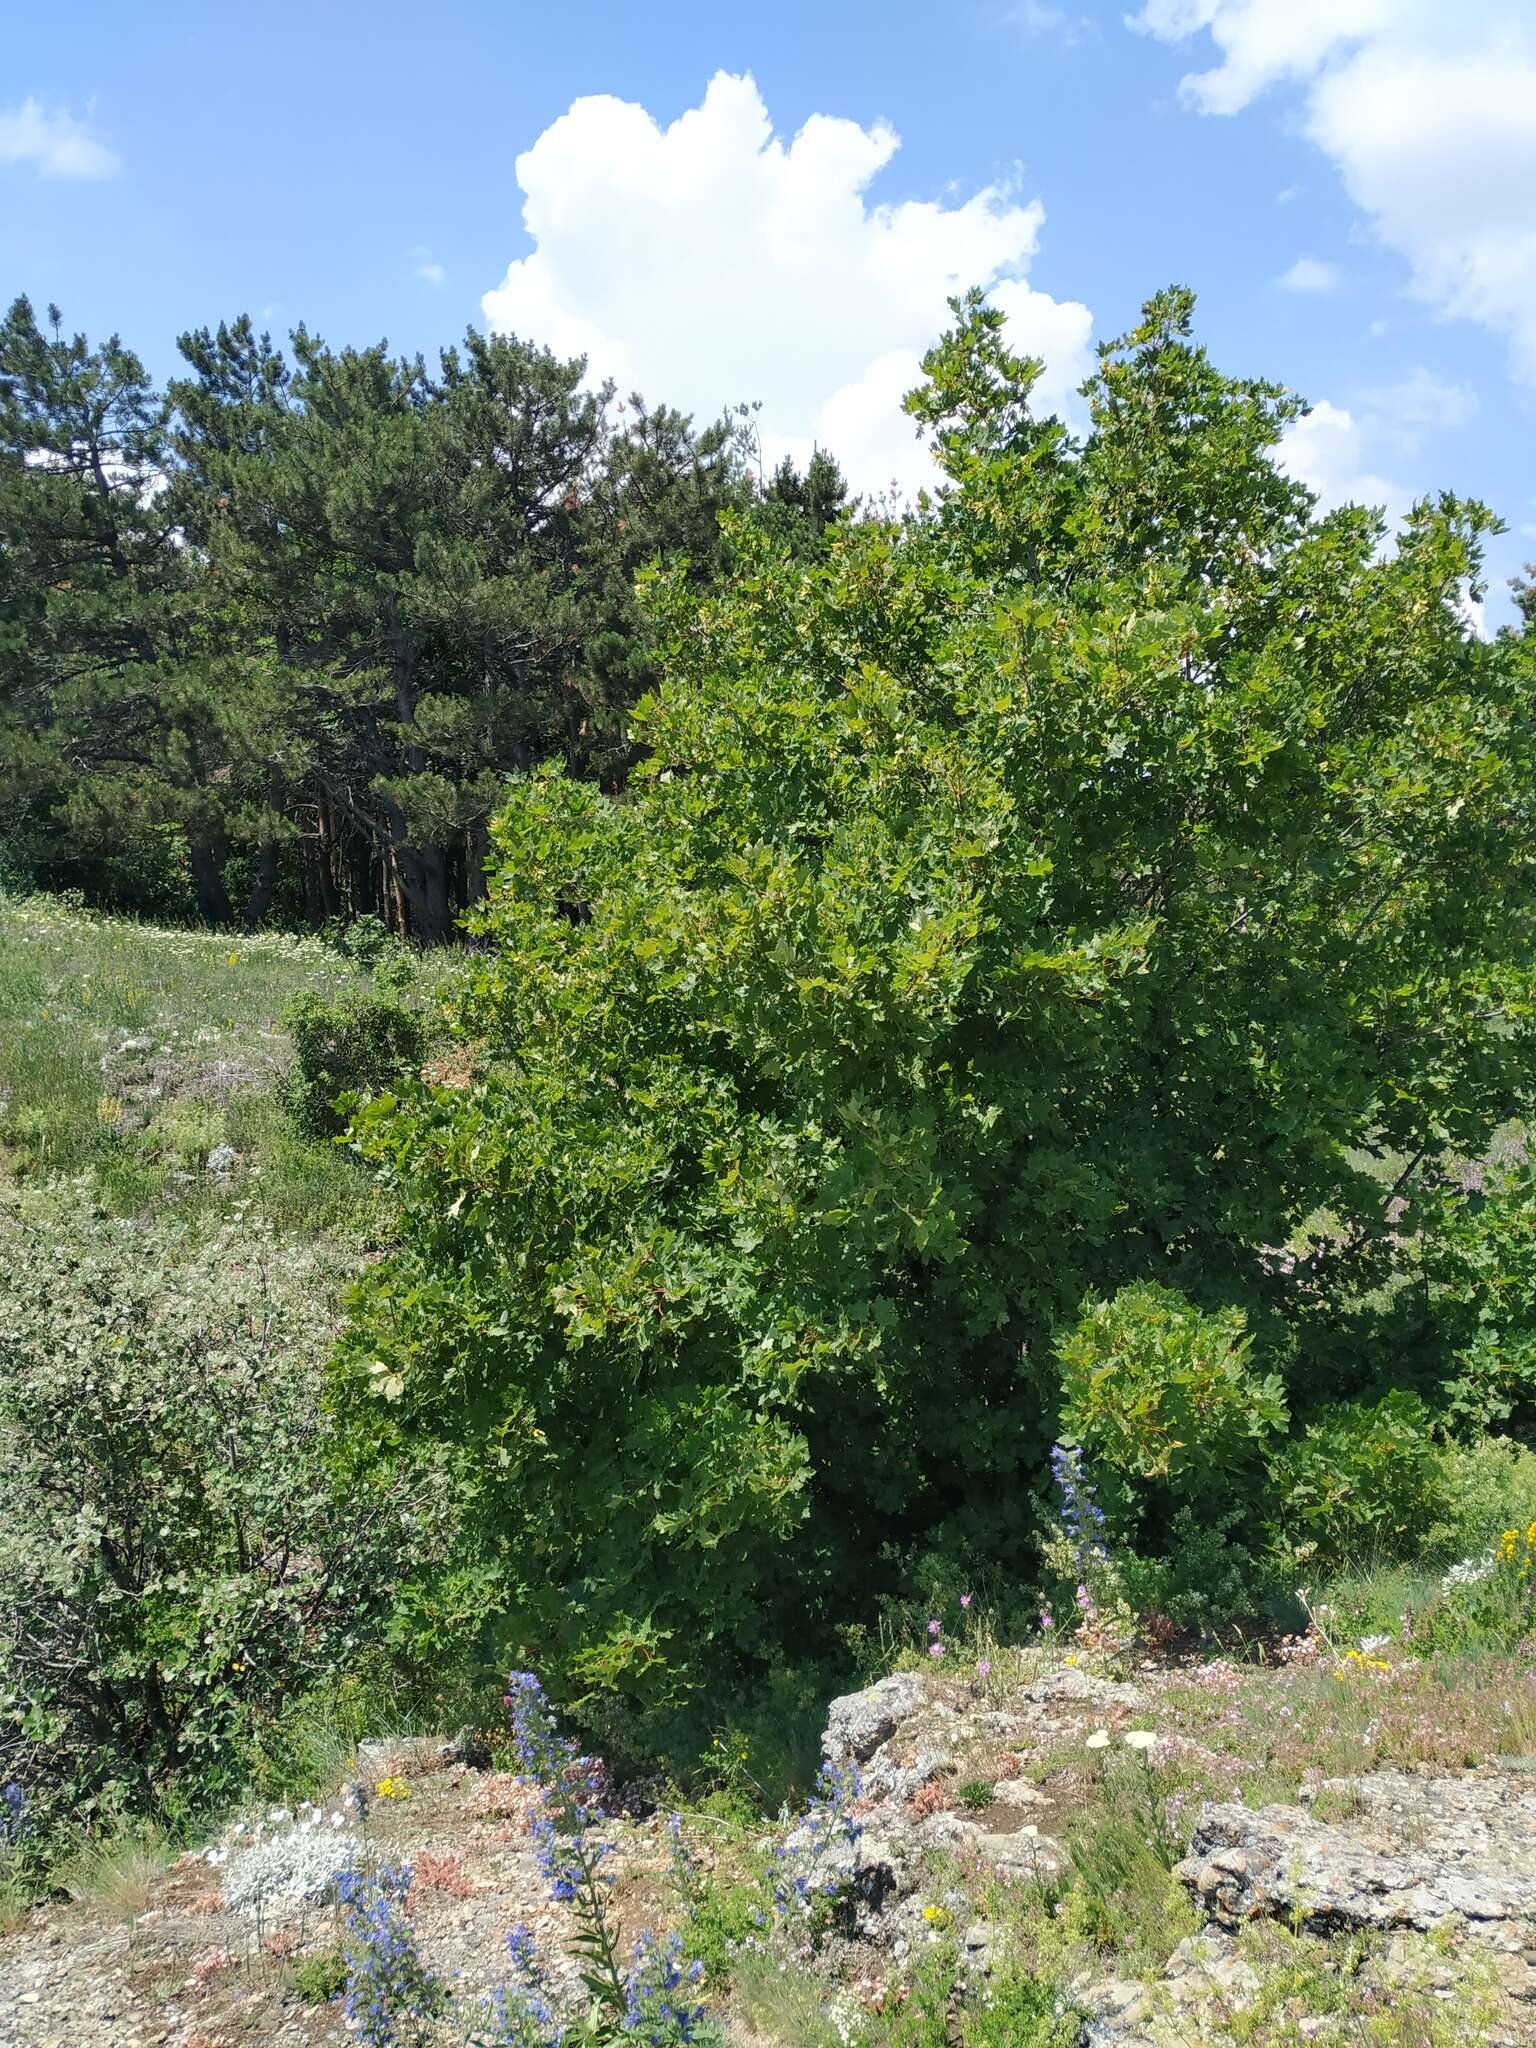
[(1071, 1687), (1414, 1854), (859, 1722)]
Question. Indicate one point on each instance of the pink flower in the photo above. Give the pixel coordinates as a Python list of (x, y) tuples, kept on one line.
[(984, 1668), (933, 1628), (965, 1599), (935, 1649), (1047, 1621)]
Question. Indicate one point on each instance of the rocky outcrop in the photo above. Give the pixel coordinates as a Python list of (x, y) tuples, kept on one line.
[(1417, 1853)]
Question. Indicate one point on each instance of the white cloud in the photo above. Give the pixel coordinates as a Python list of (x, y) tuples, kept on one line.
[(1425, 110), (426, 265), (1326, 450), (1042, 18), (1421, 399), (712, 261), (53, 142), (1308, 274)]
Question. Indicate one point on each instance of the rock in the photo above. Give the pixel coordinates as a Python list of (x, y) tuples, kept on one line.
[(859, 1722), (884, 1778), (1208, 1965), (1415, 1854), (1072, 1687), (1116, 2009), (384, 1755)]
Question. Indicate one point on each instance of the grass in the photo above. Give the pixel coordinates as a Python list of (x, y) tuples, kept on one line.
[(116, 1875), (129, 1053)]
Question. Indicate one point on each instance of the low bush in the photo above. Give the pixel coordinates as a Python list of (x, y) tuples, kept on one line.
[(180, 1555), (1363, 1480), (1167, 1407), (353, 1044)]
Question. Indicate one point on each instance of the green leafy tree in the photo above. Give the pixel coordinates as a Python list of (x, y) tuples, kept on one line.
[(1069, 887)]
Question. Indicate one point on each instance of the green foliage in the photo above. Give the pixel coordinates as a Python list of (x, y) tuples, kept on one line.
[(1018, 2008), (1364, 1479), (320, 1978), (1481, 1261), (1122, 1858), (356, 1045), (1165, 1404), (1080, 885), (182, 1552), (976, 1794)]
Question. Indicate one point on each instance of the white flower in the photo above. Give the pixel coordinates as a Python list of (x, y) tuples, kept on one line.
[(1470, 1572), (1099, 1739), (1139, 1738)]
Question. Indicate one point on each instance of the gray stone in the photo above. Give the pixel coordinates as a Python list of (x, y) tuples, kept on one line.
[(1071, 1687), (1414, 1854), (859, 1722)]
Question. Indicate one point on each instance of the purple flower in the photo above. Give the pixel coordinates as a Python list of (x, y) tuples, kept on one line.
[(1047, 1621), (984, 1668), (935, 1649), (965, 1599), (933, 1628)]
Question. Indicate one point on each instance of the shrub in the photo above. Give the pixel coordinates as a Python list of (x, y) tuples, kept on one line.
[(1481, 1263), (1364, 1480), (178, 1555), (356, 1044), (1168, 1410)]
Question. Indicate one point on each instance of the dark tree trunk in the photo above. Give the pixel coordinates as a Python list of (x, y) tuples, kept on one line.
[(424, 876), (208, 877), (263, 884)]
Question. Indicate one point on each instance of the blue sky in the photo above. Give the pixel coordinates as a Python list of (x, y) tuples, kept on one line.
[(1350, 185)]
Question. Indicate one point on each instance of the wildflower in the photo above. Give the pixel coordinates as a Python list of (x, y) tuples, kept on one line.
[(984, 1667), (1047, 1621), (965, 1599), (1139, 1738), (393, 1788), (1099, 1739), (933, 1628), (935, 1649)]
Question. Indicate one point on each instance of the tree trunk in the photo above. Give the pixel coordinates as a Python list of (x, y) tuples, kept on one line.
[(263, 884), (208, 876), (423, 873)]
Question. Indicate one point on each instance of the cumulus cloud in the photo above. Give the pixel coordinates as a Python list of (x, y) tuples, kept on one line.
[(1326, 450), (53, 142), (1425, 110), (1308, 274), (713, 261)]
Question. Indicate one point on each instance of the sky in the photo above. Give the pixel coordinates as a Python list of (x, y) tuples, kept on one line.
[(771, 204)]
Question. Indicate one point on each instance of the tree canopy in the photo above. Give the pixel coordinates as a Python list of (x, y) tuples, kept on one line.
[(303, 616), (1093, 880)]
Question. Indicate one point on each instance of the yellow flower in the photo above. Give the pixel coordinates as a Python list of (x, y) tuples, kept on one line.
[(393, 1788)]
